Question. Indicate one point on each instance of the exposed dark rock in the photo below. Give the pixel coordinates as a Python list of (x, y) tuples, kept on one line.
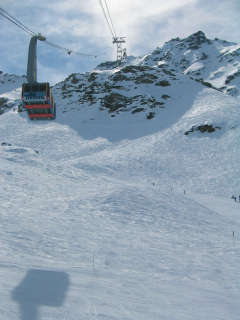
[(150, 102), (203, 128), (138, 110), (235, 53), (145, 78), (72, 75), (108, 65), (118, 87), (150, 115), (3, 101), (232, 77), (204, 56), (165, 96), (5, 144), (196, 40), (207, 84), (74, 80), (118, 76), (163, 83), (135, 69), (169, 72), (233, 91), (115, 101), (184, 63), (4, 104), (92, 77), (64, 86), (107, 87)]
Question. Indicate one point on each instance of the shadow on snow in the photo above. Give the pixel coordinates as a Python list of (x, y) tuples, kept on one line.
[(40, 288)]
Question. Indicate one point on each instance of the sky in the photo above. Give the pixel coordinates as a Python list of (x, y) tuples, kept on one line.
[(80, 25)]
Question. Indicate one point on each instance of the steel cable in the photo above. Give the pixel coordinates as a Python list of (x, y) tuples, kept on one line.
[(107, 20), (19, 24), (110, 18)]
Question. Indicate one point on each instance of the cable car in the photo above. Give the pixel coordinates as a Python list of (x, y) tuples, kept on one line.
[(37, 96), (38, 100)]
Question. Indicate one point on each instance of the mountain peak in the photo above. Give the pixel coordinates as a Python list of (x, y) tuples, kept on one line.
[(198, 34), (196, 39)]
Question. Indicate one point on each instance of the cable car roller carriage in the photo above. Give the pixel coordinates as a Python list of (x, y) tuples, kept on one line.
[(37, 96)]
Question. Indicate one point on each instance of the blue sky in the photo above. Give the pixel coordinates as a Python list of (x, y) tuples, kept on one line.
[(80, 25)]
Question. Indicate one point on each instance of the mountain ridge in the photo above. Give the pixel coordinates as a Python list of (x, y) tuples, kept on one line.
[(147, 84)]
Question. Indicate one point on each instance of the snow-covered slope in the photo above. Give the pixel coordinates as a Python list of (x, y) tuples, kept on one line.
[(112, 219), (9, 82), (115, 213), (9, 90)]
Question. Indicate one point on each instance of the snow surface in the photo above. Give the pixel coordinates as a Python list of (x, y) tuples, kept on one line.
[(122, 218)]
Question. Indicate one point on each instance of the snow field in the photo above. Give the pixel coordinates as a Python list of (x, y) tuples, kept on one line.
[(132, 245)]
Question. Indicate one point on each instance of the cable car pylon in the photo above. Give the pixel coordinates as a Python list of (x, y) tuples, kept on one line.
[(121, 53), (32, 58)]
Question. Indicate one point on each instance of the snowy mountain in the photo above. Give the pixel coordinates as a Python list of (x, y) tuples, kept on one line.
[(9, 83), (146, 86), (215, 62), (121, 208)]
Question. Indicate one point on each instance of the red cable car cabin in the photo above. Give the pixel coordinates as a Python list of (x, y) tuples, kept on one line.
[(38, 100)]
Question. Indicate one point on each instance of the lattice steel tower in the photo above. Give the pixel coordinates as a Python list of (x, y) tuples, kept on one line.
[(121, 52)]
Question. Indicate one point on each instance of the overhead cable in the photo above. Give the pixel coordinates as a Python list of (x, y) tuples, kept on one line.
[(19, 24), (108, 20), (69, 51), (16, 22)]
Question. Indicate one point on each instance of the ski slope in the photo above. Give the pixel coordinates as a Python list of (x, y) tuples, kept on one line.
[(95, 225)]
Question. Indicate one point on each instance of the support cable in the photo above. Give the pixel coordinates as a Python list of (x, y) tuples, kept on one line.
[(69, 51), (110, 18), (16, 22), (19, 24), (107, 19)]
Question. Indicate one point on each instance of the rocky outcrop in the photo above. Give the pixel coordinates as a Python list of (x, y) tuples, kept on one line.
[(204, 128)]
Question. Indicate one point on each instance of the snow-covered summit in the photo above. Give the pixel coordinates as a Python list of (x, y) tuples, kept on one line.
[(144, 87), (216, 62)]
